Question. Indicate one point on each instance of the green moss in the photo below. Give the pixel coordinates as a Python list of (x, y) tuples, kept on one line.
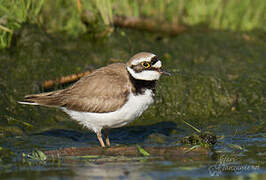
[(6, 155), (205, 139), (209, 69)]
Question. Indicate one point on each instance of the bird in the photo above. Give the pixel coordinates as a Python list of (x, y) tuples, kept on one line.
[(109, 97)]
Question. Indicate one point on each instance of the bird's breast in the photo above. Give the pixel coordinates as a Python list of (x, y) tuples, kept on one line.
[(132, 109), (137, 104)]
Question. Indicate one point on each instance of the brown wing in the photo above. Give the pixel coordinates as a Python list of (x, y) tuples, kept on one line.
[(104, 90)]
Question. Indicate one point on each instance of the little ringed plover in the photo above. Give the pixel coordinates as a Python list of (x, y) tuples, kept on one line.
[(109, 97)]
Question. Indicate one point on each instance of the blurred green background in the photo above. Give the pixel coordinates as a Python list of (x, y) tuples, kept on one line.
[(65, 16)]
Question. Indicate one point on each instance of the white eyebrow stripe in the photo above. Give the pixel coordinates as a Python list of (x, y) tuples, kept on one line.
[(158, 64), (137, 61), (142, 59)]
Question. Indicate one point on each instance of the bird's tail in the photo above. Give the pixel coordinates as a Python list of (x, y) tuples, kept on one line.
[(44, 99)]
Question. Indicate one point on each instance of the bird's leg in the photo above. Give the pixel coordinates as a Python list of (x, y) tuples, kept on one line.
[(99, 136), (107, 140)]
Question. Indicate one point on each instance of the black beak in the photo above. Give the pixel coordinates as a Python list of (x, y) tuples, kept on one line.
[(164, 72)]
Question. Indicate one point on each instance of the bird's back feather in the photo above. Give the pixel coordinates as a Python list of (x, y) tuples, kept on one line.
[(104, 90)]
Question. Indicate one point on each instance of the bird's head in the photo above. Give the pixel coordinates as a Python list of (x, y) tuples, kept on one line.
[(145, 66)]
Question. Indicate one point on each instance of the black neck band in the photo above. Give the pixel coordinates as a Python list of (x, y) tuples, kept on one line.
[(142, 85)]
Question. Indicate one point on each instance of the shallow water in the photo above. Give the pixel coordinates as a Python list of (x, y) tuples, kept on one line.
[(210, 70)]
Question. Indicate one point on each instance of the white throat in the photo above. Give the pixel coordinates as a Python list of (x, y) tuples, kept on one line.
[(144, 75)]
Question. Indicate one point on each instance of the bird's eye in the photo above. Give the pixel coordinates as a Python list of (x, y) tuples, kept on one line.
[(145, 64)]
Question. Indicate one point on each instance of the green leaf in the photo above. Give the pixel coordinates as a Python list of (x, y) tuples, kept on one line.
[(192, 127), (192, 148), (235, 146), (88, 157), (37, 155), (142, 151)]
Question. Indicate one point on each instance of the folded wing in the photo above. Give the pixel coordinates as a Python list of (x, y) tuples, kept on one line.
[(104, 90)]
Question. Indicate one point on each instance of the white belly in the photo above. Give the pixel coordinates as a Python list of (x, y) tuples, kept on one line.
[(133, 108)]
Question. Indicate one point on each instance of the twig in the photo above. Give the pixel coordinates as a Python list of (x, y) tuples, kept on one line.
[(63, 80), (145, 24), (5, 29), (148, 25), (129, 151)]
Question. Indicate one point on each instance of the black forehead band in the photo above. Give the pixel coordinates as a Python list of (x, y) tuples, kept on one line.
[(154, 60)]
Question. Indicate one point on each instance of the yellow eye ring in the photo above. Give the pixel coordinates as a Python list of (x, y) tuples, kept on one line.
[(145, 64)]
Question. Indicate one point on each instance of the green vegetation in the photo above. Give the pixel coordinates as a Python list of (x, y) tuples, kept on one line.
[(65, 16), (204, 139), (142, 151), (37, 155), (218, 84), (13, 13), (210, 69)]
